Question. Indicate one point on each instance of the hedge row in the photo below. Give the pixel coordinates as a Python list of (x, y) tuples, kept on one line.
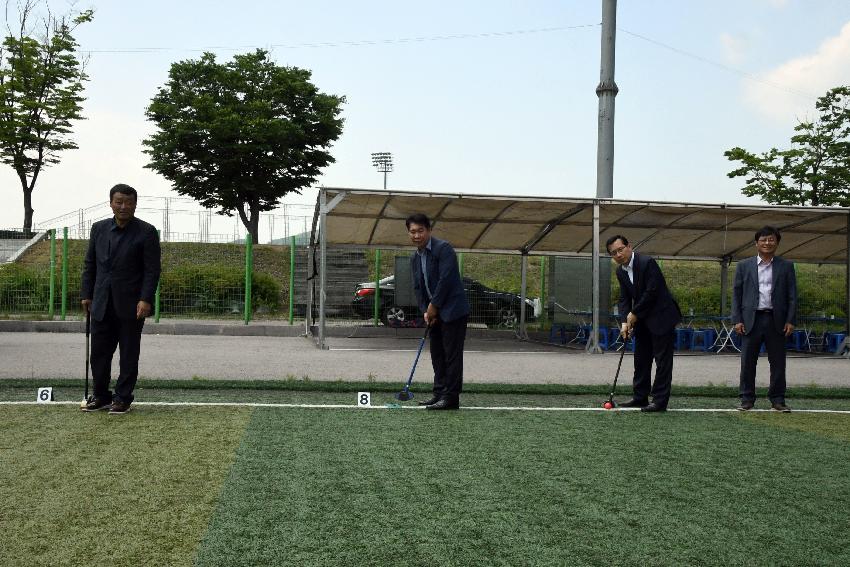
[(204, 290)]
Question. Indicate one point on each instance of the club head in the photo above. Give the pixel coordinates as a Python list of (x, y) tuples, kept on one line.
[(404, 396)]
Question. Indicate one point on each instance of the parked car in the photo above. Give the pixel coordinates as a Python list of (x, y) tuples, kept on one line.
[(494, 308)]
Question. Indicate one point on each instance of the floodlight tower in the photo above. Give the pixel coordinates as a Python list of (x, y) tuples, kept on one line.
[(384, 162)]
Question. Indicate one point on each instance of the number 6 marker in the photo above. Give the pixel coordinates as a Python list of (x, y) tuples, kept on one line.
[(44, 395)]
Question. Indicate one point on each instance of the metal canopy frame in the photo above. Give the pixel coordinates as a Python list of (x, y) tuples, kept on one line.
[(369, 218)]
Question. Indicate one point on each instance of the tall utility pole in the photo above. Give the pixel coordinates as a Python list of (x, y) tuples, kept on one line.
[(606, 91), (384, 162)]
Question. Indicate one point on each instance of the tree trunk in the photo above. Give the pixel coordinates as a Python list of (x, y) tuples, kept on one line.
[(254, 223), (28, 210), (250, 219)]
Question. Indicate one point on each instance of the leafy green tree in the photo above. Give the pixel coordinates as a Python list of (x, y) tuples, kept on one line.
[(239, 136), (815, 170), (41, 84)]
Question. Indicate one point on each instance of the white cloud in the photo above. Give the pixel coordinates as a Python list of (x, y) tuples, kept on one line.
[(802, 80), (734, 48)]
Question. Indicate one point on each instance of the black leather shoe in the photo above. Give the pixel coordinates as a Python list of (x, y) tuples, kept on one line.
[(433, 400), (634, 403), (444, 404), (653, 407), (746, 406)]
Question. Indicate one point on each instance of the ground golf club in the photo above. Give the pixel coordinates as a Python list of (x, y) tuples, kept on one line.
[(88, 339), (610, 404), (405, 394)]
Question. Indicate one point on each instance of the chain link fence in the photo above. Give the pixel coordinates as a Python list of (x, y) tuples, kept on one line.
[(207, 280)]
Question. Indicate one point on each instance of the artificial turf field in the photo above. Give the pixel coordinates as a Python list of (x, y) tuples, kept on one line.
[(235, 485)]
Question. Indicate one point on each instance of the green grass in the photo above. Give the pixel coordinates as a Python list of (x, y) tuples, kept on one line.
[(90, 489), (292, 486)]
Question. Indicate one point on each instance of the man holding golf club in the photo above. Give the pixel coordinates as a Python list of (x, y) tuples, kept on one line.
[(442, 299), (120, 275), (651, 317)]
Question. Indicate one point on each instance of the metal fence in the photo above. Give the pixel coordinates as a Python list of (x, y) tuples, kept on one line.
[(367, 287)]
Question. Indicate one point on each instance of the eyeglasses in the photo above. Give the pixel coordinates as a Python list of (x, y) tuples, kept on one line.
[(770, 240), (618, 251)]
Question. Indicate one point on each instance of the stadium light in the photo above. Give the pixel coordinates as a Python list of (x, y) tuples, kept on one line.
[(384, 162)]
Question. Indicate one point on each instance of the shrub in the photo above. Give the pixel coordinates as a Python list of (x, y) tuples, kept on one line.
[(24, 289), (214, 290)]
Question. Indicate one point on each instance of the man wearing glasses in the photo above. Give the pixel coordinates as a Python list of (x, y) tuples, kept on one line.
[(652, 316), (764, 312)]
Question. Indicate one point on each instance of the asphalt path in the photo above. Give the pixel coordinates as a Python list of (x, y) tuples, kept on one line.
[(62, 355)]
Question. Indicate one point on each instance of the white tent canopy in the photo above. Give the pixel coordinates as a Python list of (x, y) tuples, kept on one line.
[(539, 225), (568, 227)]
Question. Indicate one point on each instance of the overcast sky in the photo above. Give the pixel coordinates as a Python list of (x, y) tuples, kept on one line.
[(494, 97)]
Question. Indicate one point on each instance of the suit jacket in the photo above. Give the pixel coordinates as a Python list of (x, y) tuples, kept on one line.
[(745, 294), (444, 281), (648, 298), (128, 274)]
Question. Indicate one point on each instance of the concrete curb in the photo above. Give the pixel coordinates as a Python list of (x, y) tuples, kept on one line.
[(162, 328), (239, 329)]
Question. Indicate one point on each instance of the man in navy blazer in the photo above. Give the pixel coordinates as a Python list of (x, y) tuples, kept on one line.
[(651, 317), (120, 275), (442, 299), (764, 312)]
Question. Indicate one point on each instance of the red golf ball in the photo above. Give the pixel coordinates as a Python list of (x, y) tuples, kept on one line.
[(608, 405)]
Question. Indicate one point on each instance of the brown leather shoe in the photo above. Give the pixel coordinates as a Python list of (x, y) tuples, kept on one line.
[(780, 406), (746, 406), (119, 408)]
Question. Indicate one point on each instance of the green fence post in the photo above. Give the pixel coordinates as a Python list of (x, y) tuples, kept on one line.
[(51, 307), (377, 304), (543, 289), (249, 267), (460, 263), (291, 277), (64, 272), (156, 295)]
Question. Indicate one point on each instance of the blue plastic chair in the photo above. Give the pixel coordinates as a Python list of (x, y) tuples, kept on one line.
[(703, 339), (682, 338), (833, 340)]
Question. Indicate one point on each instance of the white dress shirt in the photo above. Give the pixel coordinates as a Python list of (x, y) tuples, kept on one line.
[(765, 273)]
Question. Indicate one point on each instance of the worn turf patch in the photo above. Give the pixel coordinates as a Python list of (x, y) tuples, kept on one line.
[(93, 489), (314, 487), (836, 428)]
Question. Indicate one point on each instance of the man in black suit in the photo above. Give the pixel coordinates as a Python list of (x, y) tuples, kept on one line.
[(120, 275), (764, 312), (442, 299), (652, 315)]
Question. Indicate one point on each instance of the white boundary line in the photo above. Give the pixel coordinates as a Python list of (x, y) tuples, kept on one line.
[(395, 406)]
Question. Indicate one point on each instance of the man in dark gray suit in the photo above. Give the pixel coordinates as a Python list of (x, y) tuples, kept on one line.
[(764, 312), (120, 275), (442, 299)]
